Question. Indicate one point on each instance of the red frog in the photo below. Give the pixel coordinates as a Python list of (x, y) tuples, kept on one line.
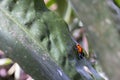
[(80, 50)]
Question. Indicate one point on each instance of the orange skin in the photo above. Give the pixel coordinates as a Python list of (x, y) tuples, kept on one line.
[(80, 51), (79, 48)]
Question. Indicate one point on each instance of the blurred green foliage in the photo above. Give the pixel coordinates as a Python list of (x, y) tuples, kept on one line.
[(117, 2)]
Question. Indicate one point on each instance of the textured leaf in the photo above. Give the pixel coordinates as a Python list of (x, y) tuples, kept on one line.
[(19, 40)]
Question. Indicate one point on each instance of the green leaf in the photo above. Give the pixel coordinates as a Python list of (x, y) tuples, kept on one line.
[(21, 41), (5, 61), (117, 2), (50, 2)]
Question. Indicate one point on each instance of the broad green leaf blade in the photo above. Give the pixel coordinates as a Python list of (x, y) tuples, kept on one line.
[(19, 43), (30, 59)]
